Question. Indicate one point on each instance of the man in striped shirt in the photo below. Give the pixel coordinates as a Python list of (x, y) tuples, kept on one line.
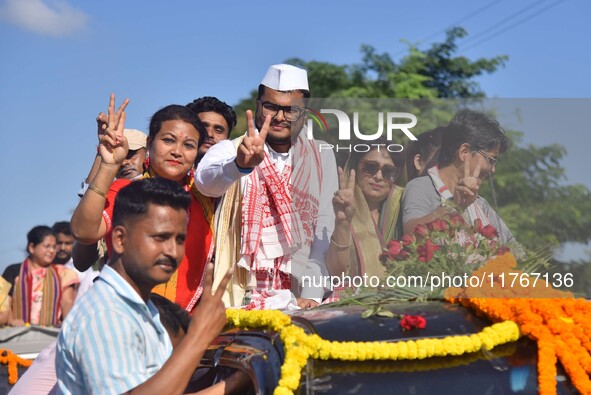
[(112, 341)]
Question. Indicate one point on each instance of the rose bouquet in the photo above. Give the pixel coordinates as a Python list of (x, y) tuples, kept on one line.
[(445, 247), (434, 256)]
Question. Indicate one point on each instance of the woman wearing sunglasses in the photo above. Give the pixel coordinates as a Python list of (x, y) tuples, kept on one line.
[(367, 207)]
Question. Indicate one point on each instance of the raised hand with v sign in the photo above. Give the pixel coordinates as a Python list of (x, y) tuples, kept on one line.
[(344, 199), (466, 190), (251, 151), (113, 146)]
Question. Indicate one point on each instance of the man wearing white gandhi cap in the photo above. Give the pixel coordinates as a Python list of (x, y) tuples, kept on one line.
[(276, 217)]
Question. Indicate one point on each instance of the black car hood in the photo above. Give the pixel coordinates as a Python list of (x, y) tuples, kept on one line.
[(345, 323)]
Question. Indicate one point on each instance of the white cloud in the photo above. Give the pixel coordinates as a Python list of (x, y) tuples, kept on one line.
[(55, 17)]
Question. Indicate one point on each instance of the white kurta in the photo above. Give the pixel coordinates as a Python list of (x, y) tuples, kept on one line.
[(217, 171)]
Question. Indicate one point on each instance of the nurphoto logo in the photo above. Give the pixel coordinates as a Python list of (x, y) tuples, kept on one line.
[(402, 121)]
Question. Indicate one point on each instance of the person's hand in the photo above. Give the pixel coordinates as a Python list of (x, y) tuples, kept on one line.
[(102, 121), (251, 151), (343, 201), (467, 189), (306, 303), (209, 317), (113, 146)]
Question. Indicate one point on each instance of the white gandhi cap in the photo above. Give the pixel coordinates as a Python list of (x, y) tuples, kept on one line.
[(285, 77)]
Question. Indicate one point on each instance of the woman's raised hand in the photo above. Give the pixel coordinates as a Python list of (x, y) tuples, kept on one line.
[(344, 199), (113, 146)]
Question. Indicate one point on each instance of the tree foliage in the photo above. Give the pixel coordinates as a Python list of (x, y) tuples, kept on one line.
[(534, 199)]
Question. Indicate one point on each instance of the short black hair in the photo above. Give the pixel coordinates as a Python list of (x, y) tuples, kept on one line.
[(304, 92), (62, 227), (210, 103), (175, 112), (172, 316), (36, 235), (133, 200), (474, 128)]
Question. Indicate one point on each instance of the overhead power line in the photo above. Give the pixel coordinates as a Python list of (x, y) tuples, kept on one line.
[(503, 21), (456, 23), (519, 22), (459, 21)]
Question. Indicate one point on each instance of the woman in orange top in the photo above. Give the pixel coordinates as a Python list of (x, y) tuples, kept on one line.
[(173, 142)]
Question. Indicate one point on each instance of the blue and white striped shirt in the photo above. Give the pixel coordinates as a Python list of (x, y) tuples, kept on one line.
[(111, 341)]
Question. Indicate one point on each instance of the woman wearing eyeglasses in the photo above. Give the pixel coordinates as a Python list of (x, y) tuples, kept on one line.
[(470, 145), (366, 207)]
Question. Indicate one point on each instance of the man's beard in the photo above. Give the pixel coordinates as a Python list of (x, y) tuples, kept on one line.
[(61, 261), (288, 139), (279, 140)]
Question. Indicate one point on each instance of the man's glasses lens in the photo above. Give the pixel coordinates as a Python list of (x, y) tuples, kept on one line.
[(291, 113), (371, 168), (491, 161)]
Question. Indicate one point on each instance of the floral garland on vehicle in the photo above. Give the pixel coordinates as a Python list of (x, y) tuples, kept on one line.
[(12, 361), (299, 346), (413, 366), (558, 322)]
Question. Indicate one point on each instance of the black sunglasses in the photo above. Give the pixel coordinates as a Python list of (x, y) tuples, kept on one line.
[(370, 169)]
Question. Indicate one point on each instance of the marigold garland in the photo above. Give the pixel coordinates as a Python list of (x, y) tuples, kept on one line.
[(7, 357), (299, 346), (417, 365), (559, 323)]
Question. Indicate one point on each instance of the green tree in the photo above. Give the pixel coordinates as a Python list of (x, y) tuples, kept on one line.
[(533, 198), (580, 272)]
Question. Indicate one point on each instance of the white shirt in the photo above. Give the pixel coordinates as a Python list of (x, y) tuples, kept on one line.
[(217, 171), (86, 277)]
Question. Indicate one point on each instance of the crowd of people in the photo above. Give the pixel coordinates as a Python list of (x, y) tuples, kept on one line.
[(186, 215)]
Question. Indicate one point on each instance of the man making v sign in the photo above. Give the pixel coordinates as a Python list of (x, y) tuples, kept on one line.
[(276, 215)]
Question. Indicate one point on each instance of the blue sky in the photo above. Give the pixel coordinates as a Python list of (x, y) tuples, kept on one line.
[(61, 59)]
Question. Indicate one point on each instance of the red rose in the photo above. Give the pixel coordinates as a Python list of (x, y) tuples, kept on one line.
[(408, 239), (409, 322), (394, 248), (421, 230), (438, 225), (426, 251), (477, 225), (489, 232), (456, 220)]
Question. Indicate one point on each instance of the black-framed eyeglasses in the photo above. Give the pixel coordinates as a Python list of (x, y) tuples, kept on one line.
[(371, 168), (291, 113), (492, 161)]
